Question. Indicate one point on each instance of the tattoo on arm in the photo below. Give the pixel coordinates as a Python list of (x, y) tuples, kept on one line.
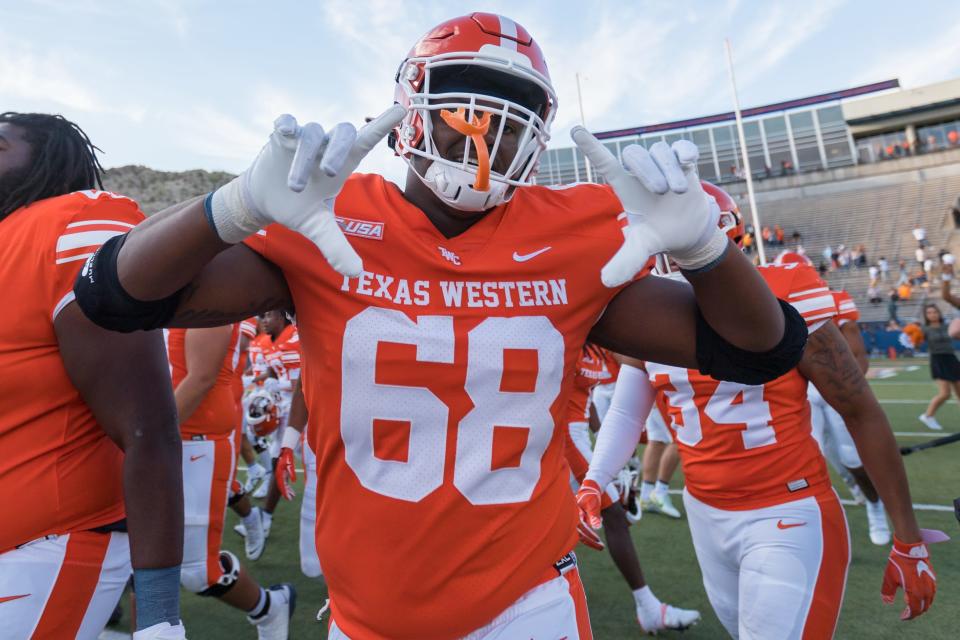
[(830, 365)]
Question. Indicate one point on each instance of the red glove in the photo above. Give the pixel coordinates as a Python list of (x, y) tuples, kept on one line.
[(909, 567), (286, 473), (588, 501)]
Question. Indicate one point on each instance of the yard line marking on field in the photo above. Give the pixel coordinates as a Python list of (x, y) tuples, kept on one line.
[(299, 470), (922, 434), (900, 383)]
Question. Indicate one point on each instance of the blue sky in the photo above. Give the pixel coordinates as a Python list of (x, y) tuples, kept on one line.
[(181, 84)]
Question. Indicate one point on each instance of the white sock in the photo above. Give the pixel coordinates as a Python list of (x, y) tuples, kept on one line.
[(646, 488), (661, 488), (261, 607), (646, 600), (266, 517)]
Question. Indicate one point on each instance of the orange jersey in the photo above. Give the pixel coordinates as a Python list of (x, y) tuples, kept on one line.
[(59, 472), (284, 356), (258, 350), (846, 308), (248, 330), (438, 390), (217, 413), (593, 369), (749, 446)]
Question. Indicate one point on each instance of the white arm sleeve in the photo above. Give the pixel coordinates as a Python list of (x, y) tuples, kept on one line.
[(622, 426)]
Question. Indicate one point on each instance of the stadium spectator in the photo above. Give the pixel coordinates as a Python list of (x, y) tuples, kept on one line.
[(884, 267), (874, 275), (828, 254), (873, 294), (944, 366), (904, 291), (748, 242), (766, 235), (953, 137), (893, 297), (920, 255), (955, 212), (778, 233), (843, 257), (920, 234), (903, 277), (861, 258), (928, 270)]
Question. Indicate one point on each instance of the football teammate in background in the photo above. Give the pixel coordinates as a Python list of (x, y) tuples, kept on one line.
[(660, 460), (769, 532), (441, 337), (286, 473), (87, 420), (652, 614), (203, 366)]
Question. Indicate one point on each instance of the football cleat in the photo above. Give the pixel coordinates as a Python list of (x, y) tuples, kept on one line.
[(857, 493), (877, 520), (632, 508), (274, 624), (668, 618), (930, 422), (660, 503), (254, 538)]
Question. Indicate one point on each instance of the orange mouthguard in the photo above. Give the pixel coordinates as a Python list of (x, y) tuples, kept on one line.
[(475, 130)]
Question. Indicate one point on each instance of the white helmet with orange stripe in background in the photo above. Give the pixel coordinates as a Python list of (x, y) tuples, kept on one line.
[(730, 222)]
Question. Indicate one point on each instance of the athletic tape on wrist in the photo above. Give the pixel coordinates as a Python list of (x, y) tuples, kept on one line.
[(291, 438), (229, 213), (707, 256)]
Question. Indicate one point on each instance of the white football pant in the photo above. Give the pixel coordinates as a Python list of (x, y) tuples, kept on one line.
[(776, 573), (831, 433)]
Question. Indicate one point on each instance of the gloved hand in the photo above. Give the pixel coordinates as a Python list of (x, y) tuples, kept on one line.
[(588, 502), (162, 631), (294, 182), (909, 567), (286, 473), (667, 209)]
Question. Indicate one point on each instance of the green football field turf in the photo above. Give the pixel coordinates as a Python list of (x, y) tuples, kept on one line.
[(667, 554)]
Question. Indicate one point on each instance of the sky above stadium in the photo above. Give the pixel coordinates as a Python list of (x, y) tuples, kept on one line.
[(183, 84)]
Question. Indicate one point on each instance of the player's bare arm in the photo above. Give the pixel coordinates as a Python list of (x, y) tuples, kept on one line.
[(181, 268), (125, 381), (829, 365), (851, 333), (204, 350)]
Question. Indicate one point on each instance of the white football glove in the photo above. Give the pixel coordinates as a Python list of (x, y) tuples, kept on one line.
[(294, 182), (162, 631), (666, 207)]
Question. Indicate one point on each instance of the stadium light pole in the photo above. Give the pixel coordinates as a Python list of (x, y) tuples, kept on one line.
[(746, 157), (583, 121)]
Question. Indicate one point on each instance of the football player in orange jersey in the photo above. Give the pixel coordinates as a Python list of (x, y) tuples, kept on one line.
[(652, 614), (90, 471), (203, 366), (769, 532), (828, 429), (441, 337)]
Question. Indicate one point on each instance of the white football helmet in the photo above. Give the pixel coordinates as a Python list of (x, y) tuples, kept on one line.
[(262, 412)]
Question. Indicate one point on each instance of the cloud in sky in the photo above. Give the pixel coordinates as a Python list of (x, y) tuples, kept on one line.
[(178, 84)]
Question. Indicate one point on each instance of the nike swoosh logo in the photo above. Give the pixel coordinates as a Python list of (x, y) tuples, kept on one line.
[(9, 598), (195, 458), (529, 256), (780, 525), (922, 568)]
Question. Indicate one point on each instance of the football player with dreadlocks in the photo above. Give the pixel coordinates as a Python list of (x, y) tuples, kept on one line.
[(91, 462), (441, 337)]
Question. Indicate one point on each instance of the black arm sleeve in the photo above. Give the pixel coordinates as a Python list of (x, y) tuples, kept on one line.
[(104, 301), (721, 360)]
